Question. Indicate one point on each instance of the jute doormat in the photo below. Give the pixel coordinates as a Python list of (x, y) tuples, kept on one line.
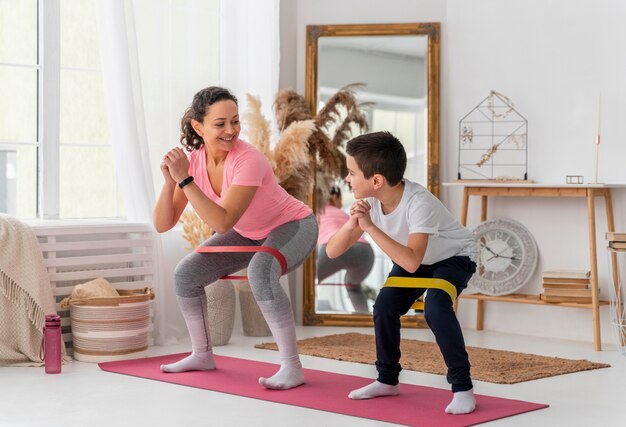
[(494, 366)]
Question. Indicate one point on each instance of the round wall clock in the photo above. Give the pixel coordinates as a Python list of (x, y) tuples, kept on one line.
[(507, 257)]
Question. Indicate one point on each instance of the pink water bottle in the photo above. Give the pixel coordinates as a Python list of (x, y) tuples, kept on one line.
[(52, 344)]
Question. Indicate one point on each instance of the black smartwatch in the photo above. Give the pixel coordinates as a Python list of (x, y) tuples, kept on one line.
[(185, 181)]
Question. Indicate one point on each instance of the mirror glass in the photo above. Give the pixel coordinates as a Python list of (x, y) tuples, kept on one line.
[(398, 67)]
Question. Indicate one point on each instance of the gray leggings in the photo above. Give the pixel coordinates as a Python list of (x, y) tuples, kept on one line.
[(295, 240)]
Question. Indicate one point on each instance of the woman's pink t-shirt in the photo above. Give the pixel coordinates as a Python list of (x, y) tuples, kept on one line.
[(271, 205)]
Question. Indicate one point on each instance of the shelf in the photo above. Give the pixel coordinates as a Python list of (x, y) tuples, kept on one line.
[(528, 299), (584, 191), (528, 184)]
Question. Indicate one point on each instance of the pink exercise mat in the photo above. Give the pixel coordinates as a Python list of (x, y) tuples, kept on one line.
[(326, 391)]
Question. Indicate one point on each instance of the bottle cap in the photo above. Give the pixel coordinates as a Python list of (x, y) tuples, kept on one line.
[(53, 320)]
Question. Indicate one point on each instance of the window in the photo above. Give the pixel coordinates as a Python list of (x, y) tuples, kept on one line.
[(56, 160), (19, 68)]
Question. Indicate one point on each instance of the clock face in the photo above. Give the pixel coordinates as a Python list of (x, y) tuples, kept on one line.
[(507, 257)]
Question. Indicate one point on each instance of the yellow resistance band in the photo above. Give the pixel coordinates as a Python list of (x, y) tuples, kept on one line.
[(421, 282)]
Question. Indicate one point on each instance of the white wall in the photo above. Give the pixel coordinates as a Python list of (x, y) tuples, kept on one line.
[(552, 59)]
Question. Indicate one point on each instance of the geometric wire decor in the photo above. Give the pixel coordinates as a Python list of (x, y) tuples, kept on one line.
[(493, 141)]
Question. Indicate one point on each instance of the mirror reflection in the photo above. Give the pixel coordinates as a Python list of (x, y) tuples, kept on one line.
[(394, 73), (348, 271), (397, 75)]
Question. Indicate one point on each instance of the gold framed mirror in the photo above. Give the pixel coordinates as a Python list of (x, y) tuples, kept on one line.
[(398, 65)]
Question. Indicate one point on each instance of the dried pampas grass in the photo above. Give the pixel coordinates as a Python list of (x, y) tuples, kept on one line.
[(289, 107), (258, 126), (355, 118), (346, 98), (195, 230), (299, 183), (306, 140), (293, 163), (290, 158), (292, 148)]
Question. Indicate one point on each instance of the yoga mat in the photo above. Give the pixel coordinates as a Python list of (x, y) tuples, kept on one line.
[(326, 391)]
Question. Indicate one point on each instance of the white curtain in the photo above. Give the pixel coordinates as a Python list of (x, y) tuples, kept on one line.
[(174, 62), (250, 50), (122, 87)]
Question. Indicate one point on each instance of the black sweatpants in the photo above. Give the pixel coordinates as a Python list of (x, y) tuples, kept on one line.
[(392, 303)]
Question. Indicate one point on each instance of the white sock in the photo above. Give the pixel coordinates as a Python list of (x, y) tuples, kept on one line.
[(194, 311), (279, 318), (463, 402), (289, 375), (375, 389), (193, 362)]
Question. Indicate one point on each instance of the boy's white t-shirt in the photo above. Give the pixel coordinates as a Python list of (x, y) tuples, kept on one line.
[(419, 211)]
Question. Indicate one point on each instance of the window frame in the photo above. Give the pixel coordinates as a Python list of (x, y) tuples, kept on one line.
[(48, 114), (48, 144)]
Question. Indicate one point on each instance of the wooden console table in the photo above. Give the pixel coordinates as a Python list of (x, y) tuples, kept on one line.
[(587, 191)]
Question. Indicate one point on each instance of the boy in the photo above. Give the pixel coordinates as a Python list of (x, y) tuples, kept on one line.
[(423, 239)]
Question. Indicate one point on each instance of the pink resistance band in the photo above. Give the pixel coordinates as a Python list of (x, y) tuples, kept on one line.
[(267, 249)]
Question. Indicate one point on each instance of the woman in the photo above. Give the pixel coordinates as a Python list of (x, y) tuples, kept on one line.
[(231, 186)]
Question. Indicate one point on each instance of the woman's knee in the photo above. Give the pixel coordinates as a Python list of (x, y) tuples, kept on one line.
[(186, 283), (264, 276)]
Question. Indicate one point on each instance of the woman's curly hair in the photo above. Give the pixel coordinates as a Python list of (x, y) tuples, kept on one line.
[(202, 100)]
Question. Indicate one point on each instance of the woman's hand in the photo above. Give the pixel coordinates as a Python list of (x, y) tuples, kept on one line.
[(177, 164), (166, 173)]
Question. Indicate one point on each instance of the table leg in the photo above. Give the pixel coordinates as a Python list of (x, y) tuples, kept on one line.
[(480, 315), (483, 208), (464, 206), (610, 224), (593, 257)]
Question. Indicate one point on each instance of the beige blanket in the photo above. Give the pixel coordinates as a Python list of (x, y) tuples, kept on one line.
[(25, 294)]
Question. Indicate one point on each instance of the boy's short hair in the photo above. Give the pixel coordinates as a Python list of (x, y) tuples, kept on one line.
[(379, 153)]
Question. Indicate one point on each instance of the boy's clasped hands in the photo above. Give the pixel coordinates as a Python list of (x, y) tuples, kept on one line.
[(360, 214)]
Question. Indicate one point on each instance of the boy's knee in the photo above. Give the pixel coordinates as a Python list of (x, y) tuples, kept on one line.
[(432, 314), (435, 310), (384, 307)]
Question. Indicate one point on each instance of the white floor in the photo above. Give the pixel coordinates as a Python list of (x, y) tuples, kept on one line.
[(83, 395)]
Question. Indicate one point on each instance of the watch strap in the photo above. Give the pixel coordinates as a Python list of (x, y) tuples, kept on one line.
[(185, 181)]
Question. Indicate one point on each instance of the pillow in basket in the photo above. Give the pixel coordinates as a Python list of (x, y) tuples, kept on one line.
[(96, 288)]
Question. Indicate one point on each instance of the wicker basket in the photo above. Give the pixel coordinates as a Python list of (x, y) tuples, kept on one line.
[(112, 328)]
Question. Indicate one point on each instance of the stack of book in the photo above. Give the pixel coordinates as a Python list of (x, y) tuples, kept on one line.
[(566, 286), (616, 240)]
